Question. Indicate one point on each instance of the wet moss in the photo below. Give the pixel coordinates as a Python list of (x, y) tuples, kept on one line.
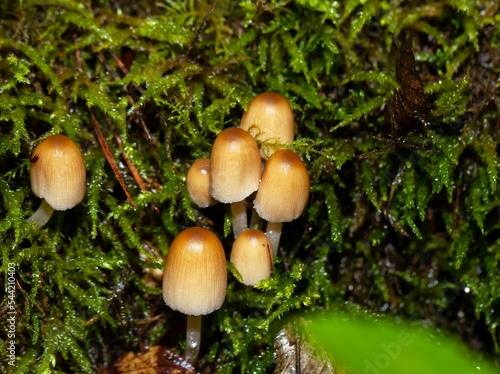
[(405, 225)]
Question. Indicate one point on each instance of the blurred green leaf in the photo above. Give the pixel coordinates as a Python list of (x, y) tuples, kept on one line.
[(376, 345)]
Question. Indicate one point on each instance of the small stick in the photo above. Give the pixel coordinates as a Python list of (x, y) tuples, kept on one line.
[(115, 75), (202, 25), (110, 158), (135, 173), (120, 64), (78, 55)]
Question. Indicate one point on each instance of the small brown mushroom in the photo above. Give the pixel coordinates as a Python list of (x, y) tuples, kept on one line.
[(283, 193), (57, 175), (195, 281), (235, 172), (269, 118), (198, 183), (252, 256)]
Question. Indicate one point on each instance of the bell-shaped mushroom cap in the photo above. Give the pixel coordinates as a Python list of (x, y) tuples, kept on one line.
[(284, 188), (58, 172), (198, 183), (195, 276), (235, 165), (252, 256), (269, 117)]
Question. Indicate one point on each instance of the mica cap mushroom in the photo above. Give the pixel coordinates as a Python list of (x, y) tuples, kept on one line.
[(195, 280), (198, 183), (252, 256), (283, 192), (236, 168), (57, 176), (269, 118)]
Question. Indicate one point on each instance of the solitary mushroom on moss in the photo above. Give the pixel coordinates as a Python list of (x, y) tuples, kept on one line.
[(236, 168), (198, 183), (57, 176), (252, 256), (283, 193), (195, 281), (269, 118)]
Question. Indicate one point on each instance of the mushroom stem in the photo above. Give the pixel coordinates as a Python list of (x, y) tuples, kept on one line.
[(273, 232), (254, 219), (42, 215), (239, 215), (193, 338)]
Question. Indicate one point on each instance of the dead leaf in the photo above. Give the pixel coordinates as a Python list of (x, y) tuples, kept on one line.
[(295, 355), (408, 107), (157, 360)]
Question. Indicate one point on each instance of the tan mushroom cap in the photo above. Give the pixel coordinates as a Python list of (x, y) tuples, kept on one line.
[(252, 256), (284, 188), (58, 172), (198, 183), (235, 165), (195, 276), (269, 117)]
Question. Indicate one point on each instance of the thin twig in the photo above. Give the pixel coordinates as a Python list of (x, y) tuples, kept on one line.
[(202, 25), (135, 173), (130, 99), (119, 63), (133, 170), (110, 158), (78, 55)]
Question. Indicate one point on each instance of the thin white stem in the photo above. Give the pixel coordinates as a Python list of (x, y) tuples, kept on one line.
[(273, 233), (42, 215), (193, 339), (254, 219), (239, 215)]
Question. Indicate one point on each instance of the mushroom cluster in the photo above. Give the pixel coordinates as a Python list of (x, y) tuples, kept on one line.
[(247, 164), (284, 187), (251, 163)]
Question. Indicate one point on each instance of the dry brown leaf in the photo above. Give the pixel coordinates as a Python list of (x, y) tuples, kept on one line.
[(156, 360), (295, 355), (408, 107)]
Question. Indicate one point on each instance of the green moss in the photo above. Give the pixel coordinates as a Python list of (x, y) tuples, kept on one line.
[(404, 224)]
